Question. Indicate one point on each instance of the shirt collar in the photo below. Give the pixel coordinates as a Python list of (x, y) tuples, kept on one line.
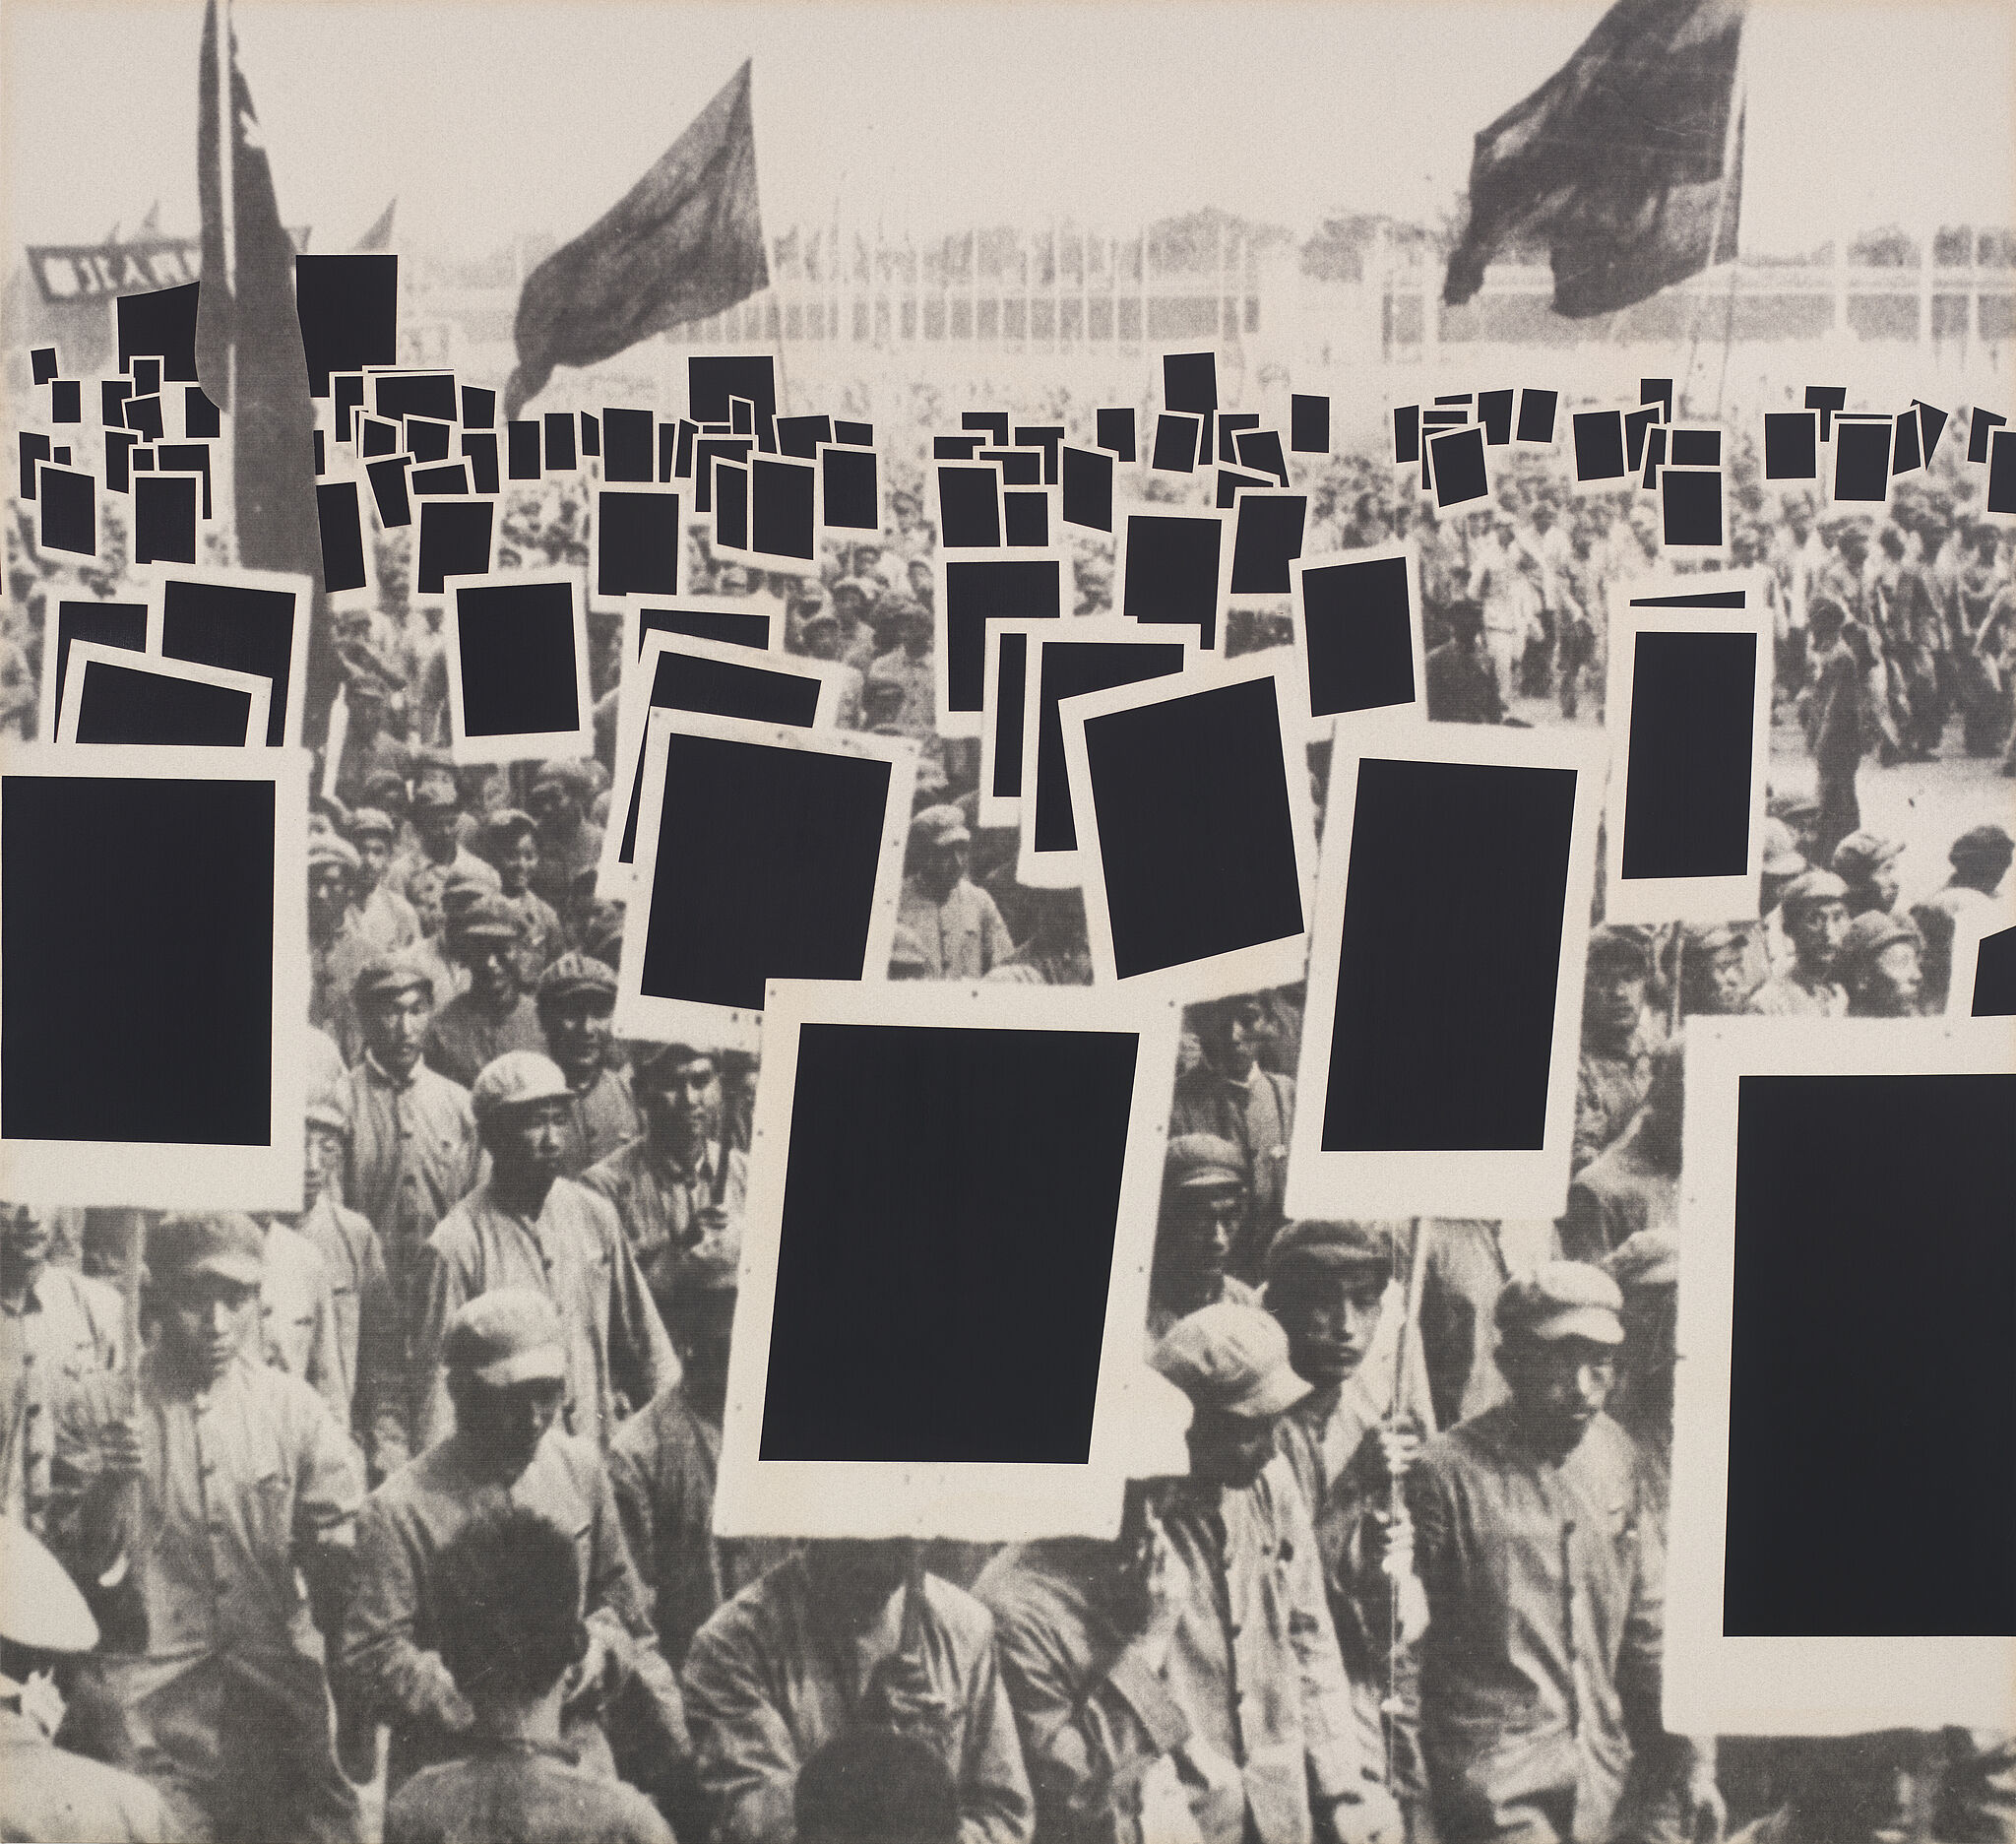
[(386, 1079)]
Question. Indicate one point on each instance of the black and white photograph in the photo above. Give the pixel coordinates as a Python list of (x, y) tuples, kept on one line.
[(1397, 618)]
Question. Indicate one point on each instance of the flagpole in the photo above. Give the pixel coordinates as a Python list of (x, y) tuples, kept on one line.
[(228, 218), (1732, 153), (1737, 99)]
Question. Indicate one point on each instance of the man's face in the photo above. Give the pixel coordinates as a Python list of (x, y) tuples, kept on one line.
[(1894, 980), (517, 862), (1245, 1030), (321, 1155), (1198, 1225), (24, 1235), (1331, 1315), (492, 963), (374, 853), (1231, 1450), (577, 1030), (1617, 999), (681, 1100), (1817, 932), (529, 1141), (553, 807), (436, 827), (328, 892), (916, 636), (945, 862), (395, 1026), (206, 1319), (852, 1581), (1882, 884), (1558, 1385), (506, 1422), (1728, 975)]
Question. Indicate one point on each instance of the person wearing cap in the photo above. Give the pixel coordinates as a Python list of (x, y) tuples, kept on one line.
[(437, 828), (57, 1326), (853, 600), (1460, 684), (385, 919), (907, 663), (1203, 1205), (366, 1356), (1618, 1033), (847, 1635), (527, 1226), (1867, 864), (1258, 1706), (496, 1014), (1505, 579), (46, 1792), (1349, 1443), (1536, 1541), (1783, 865), (679, 1182), (1634, 1184), (575, 998), (1816, 909), (206, 1496), (1882, 966), (511, 843), (337, 944), (411, 1152), (953, 919), (1228, 1095), (505, 1357), (561, 795), (1981, 858), (1844, 658), (1984, 616), (820, 639), (1719, 967), (508, 1591)]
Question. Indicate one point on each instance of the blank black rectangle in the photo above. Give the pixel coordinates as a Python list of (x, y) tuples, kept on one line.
[(1189, 380), (1494, 412), (480, 450), (66, 401), (1047, 436), (1010, 689), (969, 507), (1026, 515), (705, 453), (712, 381), (1088, 480), (519, 672), (164, 517), (1068, 670), (732, 627), (522, 450), (1267, 536), (1640, 426), (389, 490), (669, 452), (377, 437), (1994, 976), (347, 304), (144, 416), (1905, 452), (1260, 450), (771, 877), (69, 511), (559, 440), (1687, 775), (1176, 444), (760, 694), (1690, 506), (1452, 914), (35, 450), (801, 436), (187, 458), (1407, 432), (2001, 496), (179, 876), (447, 476), (1231, 482), (591, 436), (1792, 445), (854, 434), (239, 627), (478, 408), (637, 540), (118, 464), (1598, 444), (109, 623), (849, 492), (1115, 432), (42, 363), (1308, 424), (1826, 399), (427, 439), (1196, 841), (1458, 459), (160, 323), (415, 394), (993, 1240), (129, 704), (1874, 1313), (147, 375), (455, 541), (1695, 448), (1861, 461), (730, 505), (1172, 571), (957, 447), (1229, 425), (782, 518), (993, 422), (627, 438), (112, 396), (346, 396), (1537, 409), (342, 522), (1019, 467), (977, 591), (1358, 632), (1980, 424)]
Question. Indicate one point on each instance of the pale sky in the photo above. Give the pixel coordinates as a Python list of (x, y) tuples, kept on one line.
[(491, 119)]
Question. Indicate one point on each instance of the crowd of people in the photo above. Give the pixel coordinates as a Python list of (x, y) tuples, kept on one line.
[(407, 1495)]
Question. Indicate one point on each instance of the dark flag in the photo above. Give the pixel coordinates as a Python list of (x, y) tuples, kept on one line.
[(1624, 160), (684, 242), (248, 341), (379, 237)]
